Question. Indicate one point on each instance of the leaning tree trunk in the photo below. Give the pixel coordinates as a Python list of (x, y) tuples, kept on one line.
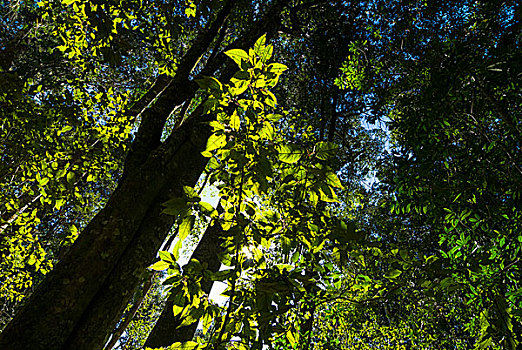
[(50, 315), (93, 328), (81, 300), (166, 331), (103, 313), (59, 303)]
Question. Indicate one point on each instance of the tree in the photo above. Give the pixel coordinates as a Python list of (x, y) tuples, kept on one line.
[(451, 103), (314, 245), (58, 164), (122, 239)]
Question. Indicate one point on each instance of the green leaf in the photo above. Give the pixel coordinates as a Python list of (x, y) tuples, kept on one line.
[(259, 46), (235, 121), (291, 336), (177, 309), (237, 55), (327, 193), (273, 117), (42, 182), (32, 260), (209, 83), (259, 83), (393, 274), (64, 129), (289, 153), (216, 141), (59, 202), (240, 86), (221, 275), (333, 180), (485, 344), (190, 10), (206, 321), (188, 345), (70, 177), (184, 229), (175, 206), (191, 194), (208, 209), (324, 150), (267, 53), (192, 317), (267, 131), (216, 125), (160, 266), (270, 100), (241, 75), (166, 256), (277, 68)]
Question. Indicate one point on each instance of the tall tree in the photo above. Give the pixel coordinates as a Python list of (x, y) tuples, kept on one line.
[(311, 255), (128, 231), (59, 162)]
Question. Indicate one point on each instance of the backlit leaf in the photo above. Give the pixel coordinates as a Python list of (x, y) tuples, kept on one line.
[(259, 46), (237, 55), (277, 68), (160, 266), (391, 274), (216, 141), (324, 150), (289, 153)]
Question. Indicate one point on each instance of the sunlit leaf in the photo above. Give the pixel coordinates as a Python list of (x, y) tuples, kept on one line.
[(259, 46), (188, 345), (235, 121), (289, 153), (394, 273), (160, 266), (216, 141), (324, 150), (237, 55), (277, 68)]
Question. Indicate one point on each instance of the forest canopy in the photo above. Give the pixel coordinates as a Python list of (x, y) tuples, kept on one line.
[(283, 174)]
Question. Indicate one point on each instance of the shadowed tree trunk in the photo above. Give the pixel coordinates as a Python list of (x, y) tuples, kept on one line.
[(79, 303), (128, 271), (49, 316), (80, 277)]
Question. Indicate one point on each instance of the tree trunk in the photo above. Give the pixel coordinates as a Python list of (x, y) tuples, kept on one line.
[(91, 330), (166, 331), (80, 301), (52, 312), (105, 310), (55, 308)]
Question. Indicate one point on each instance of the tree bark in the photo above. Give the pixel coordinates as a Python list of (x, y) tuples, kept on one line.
[(106, 307), (81, 300), (91, 331), (49, 316), (58, 304)]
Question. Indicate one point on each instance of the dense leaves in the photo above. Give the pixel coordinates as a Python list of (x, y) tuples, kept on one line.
[(366, 157), (62, 149)]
